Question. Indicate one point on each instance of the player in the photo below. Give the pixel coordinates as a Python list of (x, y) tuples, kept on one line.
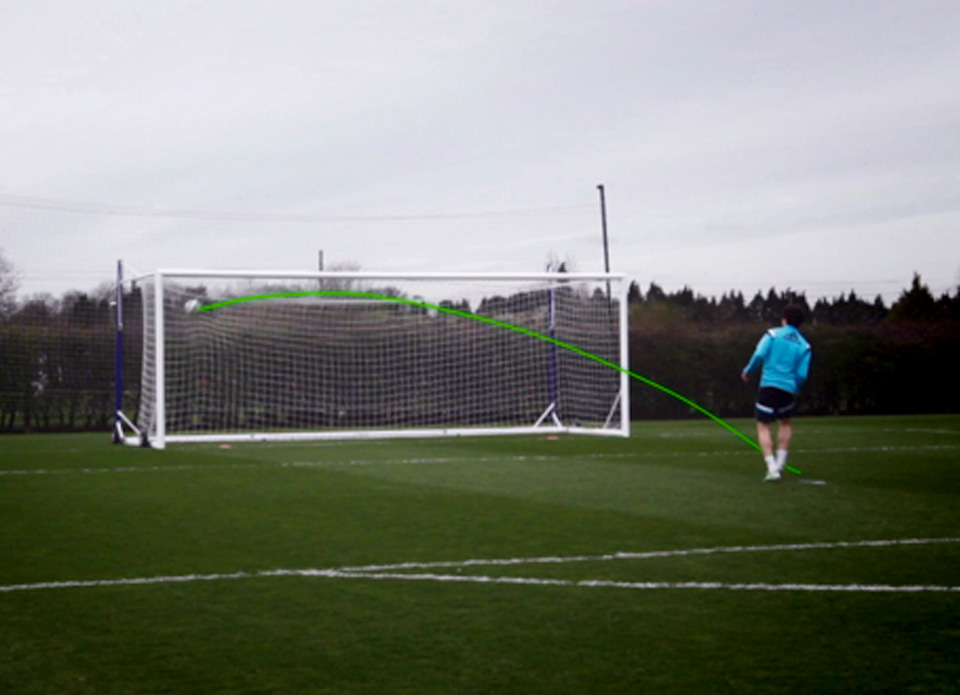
[(784, 356)]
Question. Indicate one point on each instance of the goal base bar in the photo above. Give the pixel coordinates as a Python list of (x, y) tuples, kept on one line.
[(226, 438)]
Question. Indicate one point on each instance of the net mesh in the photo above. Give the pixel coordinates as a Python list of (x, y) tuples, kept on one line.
[(245, 357)]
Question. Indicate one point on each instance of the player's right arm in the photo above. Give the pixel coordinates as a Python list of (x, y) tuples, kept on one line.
[(803, 368)]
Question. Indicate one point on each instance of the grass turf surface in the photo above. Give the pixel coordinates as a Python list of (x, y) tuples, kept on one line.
[(214, 522)]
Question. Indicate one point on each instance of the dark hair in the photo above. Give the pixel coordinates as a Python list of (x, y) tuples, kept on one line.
[(793, 315)]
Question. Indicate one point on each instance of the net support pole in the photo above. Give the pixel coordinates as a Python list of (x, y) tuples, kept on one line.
[(160, 410), (553, 381), (118, 362)]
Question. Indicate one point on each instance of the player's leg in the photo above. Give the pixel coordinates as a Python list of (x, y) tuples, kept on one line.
[(785, 409), (784, 437), (765, 438), (766, 414)]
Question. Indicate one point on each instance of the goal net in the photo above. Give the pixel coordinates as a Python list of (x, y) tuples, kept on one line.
[(232, 356)]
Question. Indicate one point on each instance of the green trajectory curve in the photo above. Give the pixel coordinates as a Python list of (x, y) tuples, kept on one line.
[(483, 319)]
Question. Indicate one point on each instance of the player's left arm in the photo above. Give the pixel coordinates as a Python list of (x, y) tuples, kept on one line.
[(758, 358)]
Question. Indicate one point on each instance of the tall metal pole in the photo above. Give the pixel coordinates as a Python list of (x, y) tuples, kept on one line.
[(623, 331), (603, 222), (606, 246)]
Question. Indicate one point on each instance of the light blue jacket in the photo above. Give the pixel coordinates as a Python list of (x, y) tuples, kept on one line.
[(785, 356)]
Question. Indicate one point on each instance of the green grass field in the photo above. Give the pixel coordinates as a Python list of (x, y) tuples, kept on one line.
[(381, 567)]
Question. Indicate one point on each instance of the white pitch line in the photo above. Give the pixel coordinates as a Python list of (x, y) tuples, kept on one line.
[(648, 555), (444, 460), (264, 466), (602, 583), (396, 572), (482, 579), (130, 581)]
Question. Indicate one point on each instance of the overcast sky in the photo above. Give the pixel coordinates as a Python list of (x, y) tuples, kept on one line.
[(743, 144)]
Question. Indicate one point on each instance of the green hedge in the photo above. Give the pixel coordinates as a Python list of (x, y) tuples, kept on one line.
[(60, 377), (884, 368)]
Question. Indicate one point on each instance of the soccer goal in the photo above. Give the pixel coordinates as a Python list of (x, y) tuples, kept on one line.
[(240, 355)]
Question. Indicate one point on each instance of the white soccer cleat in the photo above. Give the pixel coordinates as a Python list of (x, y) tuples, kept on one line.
[(772, 477)]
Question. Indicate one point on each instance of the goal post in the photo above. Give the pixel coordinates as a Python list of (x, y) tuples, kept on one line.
[(261, 355)]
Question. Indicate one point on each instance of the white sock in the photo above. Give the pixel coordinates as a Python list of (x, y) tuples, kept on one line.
[(781, 459), (771, 464)]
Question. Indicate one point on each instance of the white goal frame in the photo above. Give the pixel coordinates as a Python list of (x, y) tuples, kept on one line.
[(155, 432)]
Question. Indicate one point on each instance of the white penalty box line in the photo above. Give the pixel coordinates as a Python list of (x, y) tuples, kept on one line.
[(406, 572)]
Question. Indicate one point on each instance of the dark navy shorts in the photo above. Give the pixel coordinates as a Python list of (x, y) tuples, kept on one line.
[(774, 404)]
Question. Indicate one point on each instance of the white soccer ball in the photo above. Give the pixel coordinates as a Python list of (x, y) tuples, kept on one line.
[(191, 305)]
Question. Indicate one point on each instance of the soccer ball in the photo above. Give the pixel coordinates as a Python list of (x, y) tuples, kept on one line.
[(191, 305)]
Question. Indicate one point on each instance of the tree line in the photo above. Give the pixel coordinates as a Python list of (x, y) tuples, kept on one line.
[(868, 358), (916, 304), (58, 354)]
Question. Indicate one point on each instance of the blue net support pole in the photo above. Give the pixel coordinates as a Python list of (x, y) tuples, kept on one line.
[(118, 361)]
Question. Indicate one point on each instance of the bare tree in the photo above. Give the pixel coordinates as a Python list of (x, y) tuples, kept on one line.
[(555, 265)]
